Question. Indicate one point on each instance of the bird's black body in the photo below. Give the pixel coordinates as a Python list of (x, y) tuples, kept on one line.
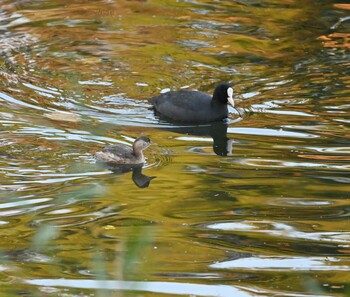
[(193, 106)]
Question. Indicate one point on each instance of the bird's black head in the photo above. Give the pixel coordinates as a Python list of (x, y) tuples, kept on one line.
[(223, 94)]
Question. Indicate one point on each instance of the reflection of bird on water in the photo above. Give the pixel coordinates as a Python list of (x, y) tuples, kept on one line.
[(121, 159), (140, 180), (122, 154), (194, 106), (222, 145)]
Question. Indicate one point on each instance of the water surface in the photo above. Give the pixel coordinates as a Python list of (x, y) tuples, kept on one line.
[(254, 206)]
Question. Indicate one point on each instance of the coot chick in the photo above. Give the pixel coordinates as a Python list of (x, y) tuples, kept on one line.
[(122, 154), (194, 106)]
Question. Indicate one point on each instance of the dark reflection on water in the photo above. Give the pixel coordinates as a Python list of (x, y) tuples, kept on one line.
[(139, 179), (254, 206), (222, 145)]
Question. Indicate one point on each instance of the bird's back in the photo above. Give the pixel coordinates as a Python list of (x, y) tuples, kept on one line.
[(116, 154), (185, 106)]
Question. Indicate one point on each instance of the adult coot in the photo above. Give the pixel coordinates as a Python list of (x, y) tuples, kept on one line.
[(122, 154), (194, 106)]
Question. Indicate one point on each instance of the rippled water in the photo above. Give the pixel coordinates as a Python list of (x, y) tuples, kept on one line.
[(255, 206)]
